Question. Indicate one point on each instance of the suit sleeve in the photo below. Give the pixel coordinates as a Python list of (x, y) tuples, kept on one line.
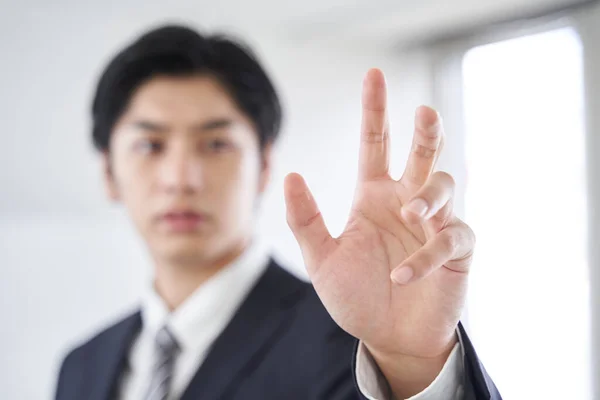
[(477, 382), (68, 377)]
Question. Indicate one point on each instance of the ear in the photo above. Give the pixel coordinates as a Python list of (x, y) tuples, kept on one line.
[(110, 185), (266, 167)]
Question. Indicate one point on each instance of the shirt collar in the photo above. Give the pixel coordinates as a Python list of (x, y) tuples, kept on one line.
[(206, 312)]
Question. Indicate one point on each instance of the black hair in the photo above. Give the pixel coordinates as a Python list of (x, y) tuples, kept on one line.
[(175, 50)]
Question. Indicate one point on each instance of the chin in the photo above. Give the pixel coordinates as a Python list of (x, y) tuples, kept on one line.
[(193, 251), (186, 258), (187, 251)]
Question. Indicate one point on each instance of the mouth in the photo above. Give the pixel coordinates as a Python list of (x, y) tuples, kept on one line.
[(182, 221)]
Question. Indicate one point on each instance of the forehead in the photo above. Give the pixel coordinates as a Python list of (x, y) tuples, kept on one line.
[(182, 98)]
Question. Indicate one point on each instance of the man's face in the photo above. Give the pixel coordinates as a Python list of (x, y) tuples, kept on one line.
[(186, 163)]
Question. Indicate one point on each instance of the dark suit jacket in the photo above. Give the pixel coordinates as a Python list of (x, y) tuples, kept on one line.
[(280, 344)]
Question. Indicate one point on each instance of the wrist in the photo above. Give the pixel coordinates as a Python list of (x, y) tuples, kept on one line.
[(408, 375)]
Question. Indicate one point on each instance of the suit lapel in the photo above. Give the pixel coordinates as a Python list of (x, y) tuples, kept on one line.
[(261, 317), (110, 359)]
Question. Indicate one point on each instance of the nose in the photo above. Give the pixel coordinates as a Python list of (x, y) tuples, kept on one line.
[(181, 171)]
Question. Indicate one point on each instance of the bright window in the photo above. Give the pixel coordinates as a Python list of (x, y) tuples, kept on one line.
[(528, 307)]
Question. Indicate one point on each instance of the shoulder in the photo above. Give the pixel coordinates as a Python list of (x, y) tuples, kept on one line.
[(87, 351)]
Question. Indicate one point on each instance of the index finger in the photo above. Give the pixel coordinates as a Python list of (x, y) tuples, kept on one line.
[(374, 144), (426, 146)]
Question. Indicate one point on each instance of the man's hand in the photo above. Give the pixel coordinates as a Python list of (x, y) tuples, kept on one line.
[(396, 278)]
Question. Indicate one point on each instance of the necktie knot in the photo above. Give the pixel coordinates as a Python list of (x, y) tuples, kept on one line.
[(166, 342)]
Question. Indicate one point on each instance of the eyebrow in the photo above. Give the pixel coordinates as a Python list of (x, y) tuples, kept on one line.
[(211, 125)]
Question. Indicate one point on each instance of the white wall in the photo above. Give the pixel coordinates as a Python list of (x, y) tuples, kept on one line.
[(69, 260)]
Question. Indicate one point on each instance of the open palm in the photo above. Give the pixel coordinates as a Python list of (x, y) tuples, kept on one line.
[(396, 277)]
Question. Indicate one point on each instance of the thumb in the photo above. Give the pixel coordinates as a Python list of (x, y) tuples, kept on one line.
[(306, 222)]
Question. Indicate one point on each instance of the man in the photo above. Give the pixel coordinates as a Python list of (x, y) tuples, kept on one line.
[(186, 126)]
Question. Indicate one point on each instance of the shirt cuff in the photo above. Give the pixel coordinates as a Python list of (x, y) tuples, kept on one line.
[(446, 386)]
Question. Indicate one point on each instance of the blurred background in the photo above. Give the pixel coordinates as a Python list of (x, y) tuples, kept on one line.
[(518, 84)]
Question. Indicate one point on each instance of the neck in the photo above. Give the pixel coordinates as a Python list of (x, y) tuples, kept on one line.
[(175, 283)]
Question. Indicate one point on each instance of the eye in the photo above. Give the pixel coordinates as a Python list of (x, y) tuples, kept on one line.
[(148, 146), (218, 145)]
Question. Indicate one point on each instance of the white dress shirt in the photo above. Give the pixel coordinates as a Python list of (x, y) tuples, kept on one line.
[(202, 317)]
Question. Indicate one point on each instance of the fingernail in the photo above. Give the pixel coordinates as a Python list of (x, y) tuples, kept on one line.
[(402, 275), (418, 207)]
